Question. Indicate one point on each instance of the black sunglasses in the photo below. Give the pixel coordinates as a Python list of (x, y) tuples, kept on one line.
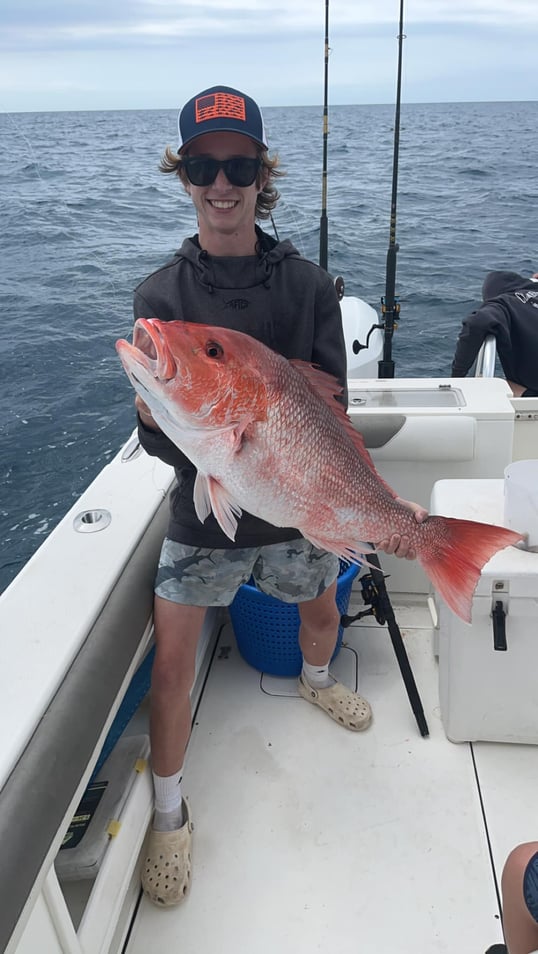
[(239, 170)]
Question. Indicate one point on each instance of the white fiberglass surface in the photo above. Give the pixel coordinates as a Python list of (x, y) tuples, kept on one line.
[(310, 837)]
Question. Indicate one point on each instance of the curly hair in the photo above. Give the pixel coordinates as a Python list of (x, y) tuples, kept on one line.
[(267, 199)]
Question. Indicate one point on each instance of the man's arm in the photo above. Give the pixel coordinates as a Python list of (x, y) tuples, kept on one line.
[(329, 350), (475, 328)]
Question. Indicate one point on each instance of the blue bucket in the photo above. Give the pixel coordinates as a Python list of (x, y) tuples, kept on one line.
[(267, 630)]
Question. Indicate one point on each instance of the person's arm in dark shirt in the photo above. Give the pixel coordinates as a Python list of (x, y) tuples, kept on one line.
[(329, 342), (475, 328)]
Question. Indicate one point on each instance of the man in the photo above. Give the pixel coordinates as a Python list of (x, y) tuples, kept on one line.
[(232, 274), (510, 313)]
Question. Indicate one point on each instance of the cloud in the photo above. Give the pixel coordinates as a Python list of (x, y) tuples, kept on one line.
[(29, 26), (148, 53)]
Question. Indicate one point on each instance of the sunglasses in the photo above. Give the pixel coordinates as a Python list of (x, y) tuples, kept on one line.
[(240, 171)]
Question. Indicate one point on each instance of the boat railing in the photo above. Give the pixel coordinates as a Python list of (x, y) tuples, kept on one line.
[(485, 362)]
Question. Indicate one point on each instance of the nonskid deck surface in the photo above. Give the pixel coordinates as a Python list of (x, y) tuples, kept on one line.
[(310, 837)]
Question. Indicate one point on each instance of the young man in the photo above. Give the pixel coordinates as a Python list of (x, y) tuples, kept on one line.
[(510, 313), (235, 275)]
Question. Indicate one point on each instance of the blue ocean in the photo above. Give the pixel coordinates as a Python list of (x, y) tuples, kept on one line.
[(86, 215)]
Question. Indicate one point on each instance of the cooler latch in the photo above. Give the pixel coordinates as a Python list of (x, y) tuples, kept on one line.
[(499, 609), (499, 626)]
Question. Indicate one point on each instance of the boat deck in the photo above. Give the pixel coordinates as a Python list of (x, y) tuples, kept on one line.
[(312, 838)]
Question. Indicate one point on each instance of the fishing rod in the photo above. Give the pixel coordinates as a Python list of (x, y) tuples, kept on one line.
[(373, 585), (324, 222), (375, 595), (390, 307)]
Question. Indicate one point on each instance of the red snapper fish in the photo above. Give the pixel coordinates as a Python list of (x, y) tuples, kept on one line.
[(268, 436)]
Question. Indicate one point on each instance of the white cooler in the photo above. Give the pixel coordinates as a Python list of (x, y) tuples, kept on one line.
[(488, 692)]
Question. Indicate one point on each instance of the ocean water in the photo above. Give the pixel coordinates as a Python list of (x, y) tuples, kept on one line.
[(86, 215)]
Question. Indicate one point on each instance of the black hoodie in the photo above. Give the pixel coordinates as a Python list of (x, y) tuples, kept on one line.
[(510, 313), (278, 297)]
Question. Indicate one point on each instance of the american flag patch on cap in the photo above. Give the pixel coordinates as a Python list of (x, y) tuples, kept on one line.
[(218, 106)]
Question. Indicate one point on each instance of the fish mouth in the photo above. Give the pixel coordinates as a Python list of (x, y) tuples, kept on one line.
[(148, 340)]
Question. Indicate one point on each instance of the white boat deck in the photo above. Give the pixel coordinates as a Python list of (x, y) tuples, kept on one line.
[(312, 838)]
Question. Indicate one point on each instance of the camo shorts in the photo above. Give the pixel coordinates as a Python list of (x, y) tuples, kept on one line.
[(200, 576)]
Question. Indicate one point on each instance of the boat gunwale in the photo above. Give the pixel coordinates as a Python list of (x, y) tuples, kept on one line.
[(33, 817)]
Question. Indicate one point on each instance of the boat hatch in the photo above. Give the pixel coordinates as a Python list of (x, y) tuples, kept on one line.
[(446, 396)]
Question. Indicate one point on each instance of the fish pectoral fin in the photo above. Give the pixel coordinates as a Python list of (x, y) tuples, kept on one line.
[(238, 433), (202, 501), (224, 507), (210, 495)]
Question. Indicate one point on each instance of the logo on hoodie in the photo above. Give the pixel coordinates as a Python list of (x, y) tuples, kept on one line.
[(236, 304), (528, 298)]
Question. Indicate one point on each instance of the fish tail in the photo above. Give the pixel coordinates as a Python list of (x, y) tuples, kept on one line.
[(454, 554)]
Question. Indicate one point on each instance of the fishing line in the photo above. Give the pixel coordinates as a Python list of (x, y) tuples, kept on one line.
[(275, 230), (296, 223)]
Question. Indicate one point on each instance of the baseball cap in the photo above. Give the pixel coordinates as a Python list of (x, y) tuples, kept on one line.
[(220, 109)]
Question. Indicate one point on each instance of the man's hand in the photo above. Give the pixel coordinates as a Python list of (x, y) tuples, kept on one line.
[(145, 414), (399, 544)]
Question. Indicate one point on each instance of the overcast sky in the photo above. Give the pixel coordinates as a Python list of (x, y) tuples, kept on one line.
[(151, 54)]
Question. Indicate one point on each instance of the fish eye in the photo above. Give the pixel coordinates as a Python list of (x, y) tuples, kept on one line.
[(214, 350)]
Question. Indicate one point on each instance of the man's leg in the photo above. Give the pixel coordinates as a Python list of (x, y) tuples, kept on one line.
[(188, 580), (318, 634), (318, 631), (298, 572), (177, 630), (166, 867)]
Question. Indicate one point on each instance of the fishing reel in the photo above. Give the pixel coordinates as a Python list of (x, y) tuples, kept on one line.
[(392, 310), (385, 308), (370, 596)]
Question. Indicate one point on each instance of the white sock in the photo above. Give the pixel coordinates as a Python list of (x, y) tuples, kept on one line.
[(168, 801), (317, 676)]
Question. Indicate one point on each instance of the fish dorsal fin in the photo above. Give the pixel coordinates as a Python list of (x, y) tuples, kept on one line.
[(323, 383), (327, 387)]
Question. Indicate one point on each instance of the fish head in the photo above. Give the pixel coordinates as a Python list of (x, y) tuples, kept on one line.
[(196, 375)]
